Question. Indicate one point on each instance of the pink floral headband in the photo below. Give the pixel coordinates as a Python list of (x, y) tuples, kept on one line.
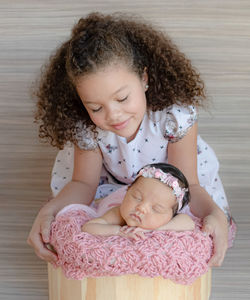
[(170, 180)]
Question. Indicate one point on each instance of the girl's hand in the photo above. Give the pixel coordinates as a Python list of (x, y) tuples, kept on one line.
[(216, 225), (40, 233), (135, 233)]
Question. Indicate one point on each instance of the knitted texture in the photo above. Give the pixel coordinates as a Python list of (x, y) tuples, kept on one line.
[(179, 256)]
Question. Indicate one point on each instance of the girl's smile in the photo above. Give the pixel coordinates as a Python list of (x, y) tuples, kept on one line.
[(121, 125), (115, 99)]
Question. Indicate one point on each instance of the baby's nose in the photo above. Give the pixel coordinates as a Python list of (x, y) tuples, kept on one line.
[(142, 208)]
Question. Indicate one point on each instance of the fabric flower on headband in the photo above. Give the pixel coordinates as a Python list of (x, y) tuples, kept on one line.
[(167, 178)]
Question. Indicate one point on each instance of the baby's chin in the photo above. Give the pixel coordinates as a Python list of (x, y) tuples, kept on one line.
[(133, 223)]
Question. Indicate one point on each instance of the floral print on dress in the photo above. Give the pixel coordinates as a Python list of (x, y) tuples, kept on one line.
[(175, 119), (85, 137), (199, 149), (111, 148)]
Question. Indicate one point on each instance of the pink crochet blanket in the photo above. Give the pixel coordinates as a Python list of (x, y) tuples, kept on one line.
[(179, 256)]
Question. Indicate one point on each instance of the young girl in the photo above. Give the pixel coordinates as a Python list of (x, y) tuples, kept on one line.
[(151, 202), (125, 96)]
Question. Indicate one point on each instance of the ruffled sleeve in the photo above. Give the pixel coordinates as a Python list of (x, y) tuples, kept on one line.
[(178, 121), (86, 139)]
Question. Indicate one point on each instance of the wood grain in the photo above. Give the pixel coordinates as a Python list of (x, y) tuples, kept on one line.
[(214, 34), (127, 287)]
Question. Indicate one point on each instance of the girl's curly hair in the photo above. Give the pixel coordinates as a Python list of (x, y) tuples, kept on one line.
[(97, 41)]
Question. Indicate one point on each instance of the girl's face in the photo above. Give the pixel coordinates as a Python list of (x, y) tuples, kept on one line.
[(115, 99), (148, 204)]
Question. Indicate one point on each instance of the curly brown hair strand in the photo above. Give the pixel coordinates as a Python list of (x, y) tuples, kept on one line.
[(96, 42)]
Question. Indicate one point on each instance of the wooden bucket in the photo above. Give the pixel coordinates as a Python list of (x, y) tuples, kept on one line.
[(126, 287)]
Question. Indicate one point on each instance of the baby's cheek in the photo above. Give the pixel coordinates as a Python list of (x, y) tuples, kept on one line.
[(151, 223), (124, 211), (160, 220)]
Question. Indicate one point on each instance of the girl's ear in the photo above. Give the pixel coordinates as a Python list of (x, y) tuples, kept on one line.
[(145, 76)]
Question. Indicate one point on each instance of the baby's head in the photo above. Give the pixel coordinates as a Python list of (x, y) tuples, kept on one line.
[(159, 192)]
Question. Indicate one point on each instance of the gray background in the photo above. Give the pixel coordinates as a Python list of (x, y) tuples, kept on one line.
[(214, 34)]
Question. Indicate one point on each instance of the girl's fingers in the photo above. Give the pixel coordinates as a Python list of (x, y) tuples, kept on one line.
[(44, 253), (217, 259), (40, 249), (46, 256), (39, 236), (207, 227), (45, 229), (219, 233), (220, 248)]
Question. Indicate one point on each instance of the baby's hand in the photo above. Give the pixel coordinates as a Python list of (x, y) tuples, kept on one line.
[(135, 233)]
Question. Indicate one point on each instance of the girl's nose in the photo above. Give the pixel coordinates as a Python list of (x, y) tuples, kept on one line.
[(113, 114)]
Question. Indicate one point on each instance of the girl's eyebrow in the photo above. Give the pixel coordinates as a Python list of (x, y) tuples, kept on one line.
[(120, 89), (116, 92)]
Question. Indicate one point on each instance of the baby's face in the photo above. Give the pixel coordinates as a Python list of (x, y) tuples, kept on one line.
[(148, 204)]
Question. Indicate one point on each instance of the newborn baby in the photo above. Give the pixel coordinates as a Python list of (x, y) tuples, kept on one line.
[(152, 202)]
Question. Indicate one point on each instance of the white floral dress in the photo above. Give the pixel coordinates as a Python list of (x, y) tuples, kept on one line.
[(122, 160)]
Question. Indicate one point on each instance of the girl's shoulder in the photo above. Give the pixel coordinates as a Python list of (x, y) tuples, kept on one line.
[(86, 139), (89, 138), (174, 121)]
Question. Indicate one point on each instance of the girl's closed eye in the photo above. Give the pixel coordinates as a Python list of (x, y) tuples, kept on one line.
[(123, 99), (96, 109)]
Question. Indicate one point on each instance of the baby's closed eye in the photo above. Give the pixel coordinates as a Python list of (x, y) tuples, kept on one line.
[(137, 198), (159, 209)]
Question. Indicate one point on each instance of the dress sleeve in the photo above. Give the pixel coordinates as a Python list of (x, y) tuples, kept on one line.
[(178, 121), (86, 139), (64, 163)]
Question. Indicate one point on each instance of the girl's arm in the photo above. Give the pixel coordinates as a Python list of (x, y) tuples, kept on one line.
[(109, 224), (81, 189), (86, 175), (181, 222), (183, 154)]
